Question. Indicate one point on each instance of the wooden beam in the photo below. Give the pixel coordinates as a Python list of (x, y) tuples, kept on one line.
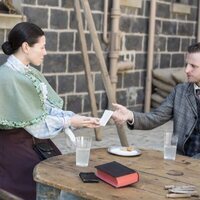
[(10, 20), (103, 67), (87, 67), (131, 3)]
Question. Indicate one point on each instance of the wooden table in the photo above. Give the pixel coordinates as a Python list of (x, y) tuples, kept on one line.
[(61, 173)]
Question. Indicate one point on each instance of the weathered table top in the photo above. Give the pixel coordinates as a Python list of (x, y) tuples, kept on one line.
[(155, 172)]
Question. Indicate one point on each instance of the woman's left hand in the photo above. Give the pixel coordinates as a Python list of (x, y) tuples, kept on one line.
[(79, 121)]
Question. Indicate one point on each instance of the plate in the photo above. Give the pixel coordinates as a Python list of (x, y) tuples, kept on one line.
[(121, 151)]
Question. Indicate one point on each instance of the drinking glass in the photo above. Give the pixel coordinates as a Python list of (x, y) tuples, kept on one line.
[(170, 146), (83, 146)]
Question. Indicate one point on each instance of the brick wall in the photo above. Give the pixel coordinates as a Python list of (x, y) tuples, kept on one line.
[(63, 66)]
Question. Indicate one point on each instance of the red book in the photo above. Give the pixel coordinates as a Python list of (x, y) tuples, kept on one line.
[(117, 174)]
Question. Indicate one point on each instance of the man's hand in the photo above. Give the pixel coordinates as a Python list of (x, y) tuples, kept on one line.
[(121, 114)]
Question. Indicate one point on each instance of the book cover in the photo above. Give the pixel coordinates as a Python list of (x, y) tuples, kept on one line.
[(116, 174)]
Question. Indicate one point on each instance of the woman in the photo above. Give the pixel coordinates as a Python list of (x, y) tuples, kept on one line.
[(30, 109)]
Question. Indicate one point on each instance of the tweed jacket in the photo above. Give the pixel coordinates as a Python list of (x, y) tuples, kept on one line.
[(181, 106)]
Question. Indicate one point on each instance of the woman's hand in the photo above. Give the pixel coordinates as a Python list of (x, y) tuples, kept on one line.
[(121, 114), (79, 121)]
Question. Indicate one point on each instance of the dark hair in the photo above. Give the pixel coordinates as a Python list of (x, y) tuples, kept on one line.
[(21, 32), (194, 48)]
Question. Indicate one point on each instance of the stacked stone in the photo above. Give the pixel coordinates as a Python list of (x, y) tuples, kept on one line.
[(164, 80), (63, 66)]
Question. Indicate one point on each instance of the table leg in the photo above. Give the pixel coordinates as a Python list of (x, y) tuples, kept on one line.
[(45, 192), (68, 196)]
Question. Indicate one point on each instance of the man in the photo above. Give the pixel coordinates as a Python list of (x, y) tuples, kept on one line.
[(182, 105)]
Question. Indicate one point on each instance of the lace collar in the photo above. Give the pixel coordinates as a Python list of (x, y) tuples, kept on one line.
[(15, 64)]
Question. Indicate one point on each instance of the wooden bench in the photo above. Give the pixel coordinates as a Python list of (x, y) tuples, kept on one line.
[(7, 196)]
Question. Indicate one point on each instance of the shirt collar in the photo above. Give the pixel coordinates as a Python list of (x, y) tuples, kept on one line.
[(14, 63), (196, 86)]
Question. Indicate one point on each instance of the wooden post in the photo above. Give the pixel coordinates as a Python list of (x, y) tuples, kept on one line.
[(103, 67), (87, 67), (148, 86)]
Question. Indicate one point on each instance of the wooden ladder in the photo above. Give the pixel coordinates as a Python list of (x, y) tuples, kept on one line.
[(104, 72)]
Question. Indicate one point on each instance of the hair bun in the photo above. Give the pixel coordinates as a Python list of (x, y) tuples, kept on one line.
[(7, 49)]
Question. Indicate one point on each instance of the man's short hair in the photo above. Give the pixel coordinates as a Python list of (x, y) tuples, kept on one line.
[(194, 48)]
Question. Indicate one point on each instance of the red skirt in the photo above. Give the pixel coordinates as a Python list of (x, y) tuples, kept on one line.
[(17, 161)]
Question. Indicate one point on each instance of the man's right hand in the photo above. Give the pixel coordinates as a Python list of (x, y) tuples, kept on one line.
[(121, 114)]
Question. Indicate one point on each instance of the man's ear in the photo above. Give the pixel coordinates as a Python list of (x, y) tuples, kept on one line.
[(25, 47)]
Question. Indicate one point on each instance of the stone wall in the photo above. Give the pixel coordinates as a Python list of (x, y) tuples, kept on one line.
[(63, 66)]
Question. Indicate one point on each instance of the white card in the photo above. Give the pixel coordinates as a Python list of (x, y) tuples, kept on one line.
[(105, 117)]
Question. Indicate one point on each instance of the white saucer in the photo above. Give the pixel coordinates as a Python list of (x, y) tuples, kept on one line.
[(121, 151)]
